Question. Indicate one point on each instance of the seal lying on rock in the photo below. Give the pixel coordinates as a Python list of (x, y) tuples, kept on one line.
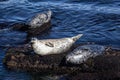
[(82, 53), (40, 19), (53, 46)]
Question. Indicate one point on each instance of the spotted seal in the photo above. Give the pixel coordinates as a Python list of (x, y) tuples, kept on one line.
[(53, 46), (40, 19), (82, 53)]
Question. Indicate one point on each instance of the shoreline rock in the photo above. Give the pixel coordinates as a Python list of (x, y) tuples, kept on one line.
[(19, 27), (21, 58), (31, 32), (102, 67), (105, 75)]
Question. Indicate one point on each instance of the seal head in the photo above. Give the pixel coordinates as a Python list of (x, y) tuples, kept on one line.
[(39, 19)]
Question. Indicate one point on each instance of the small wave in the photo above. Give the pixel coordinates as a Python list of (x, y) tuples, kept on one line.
[(80, 6), (5, 30), (61, 5)]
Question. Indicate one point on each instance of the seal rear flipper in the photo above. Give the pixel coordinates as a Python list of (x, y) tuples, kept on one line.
[(77, 37)]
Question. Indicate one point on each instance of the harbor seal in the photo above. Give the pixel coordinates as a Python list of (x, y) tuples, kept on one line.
[(40, 19), (53, 46), (82, 53)]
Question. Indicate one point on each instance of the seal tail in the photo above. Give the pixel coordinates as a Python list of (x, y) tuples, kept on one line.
[(49, 14), (77, 37)]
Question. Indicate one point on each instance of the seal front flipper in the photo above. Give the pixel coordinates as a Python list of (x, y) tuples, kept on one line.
[(49, 44)]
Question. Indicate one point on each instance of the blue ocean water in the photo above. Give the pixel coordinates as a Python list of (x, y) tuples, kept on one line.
[(98, 20)]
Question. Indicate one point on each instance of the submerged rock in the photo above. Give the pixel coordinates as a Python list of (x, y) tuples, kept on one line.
[(110, 75), (36, 25), (20, 27), (3, 25), (22, 58)]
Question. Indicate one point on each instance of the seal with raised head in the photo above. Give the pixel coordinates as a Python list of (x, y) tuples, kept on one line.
[(40, 19), (82, 53), (53, 46)]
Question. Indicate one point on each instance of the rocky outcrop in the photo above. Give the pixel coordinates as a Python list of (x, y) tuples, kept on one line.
[(106, 66), (23, 58), (31, 31), (34, 26), (25, 28), (20, 27)]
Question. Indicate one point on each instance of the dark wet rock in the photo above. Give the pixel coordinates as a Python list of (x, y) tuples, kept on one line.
[(4, 25), (17, 58), (25, 27), (20, 27), (105, 75), (31, 31), (22, 58), (36, 25)]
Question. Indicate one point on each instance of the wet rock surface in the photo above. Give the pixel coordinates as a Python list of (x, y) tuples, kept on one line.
[(26, 28), (20, 27), (22, 58), (31, 31), (109, 75), (102, 67)]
